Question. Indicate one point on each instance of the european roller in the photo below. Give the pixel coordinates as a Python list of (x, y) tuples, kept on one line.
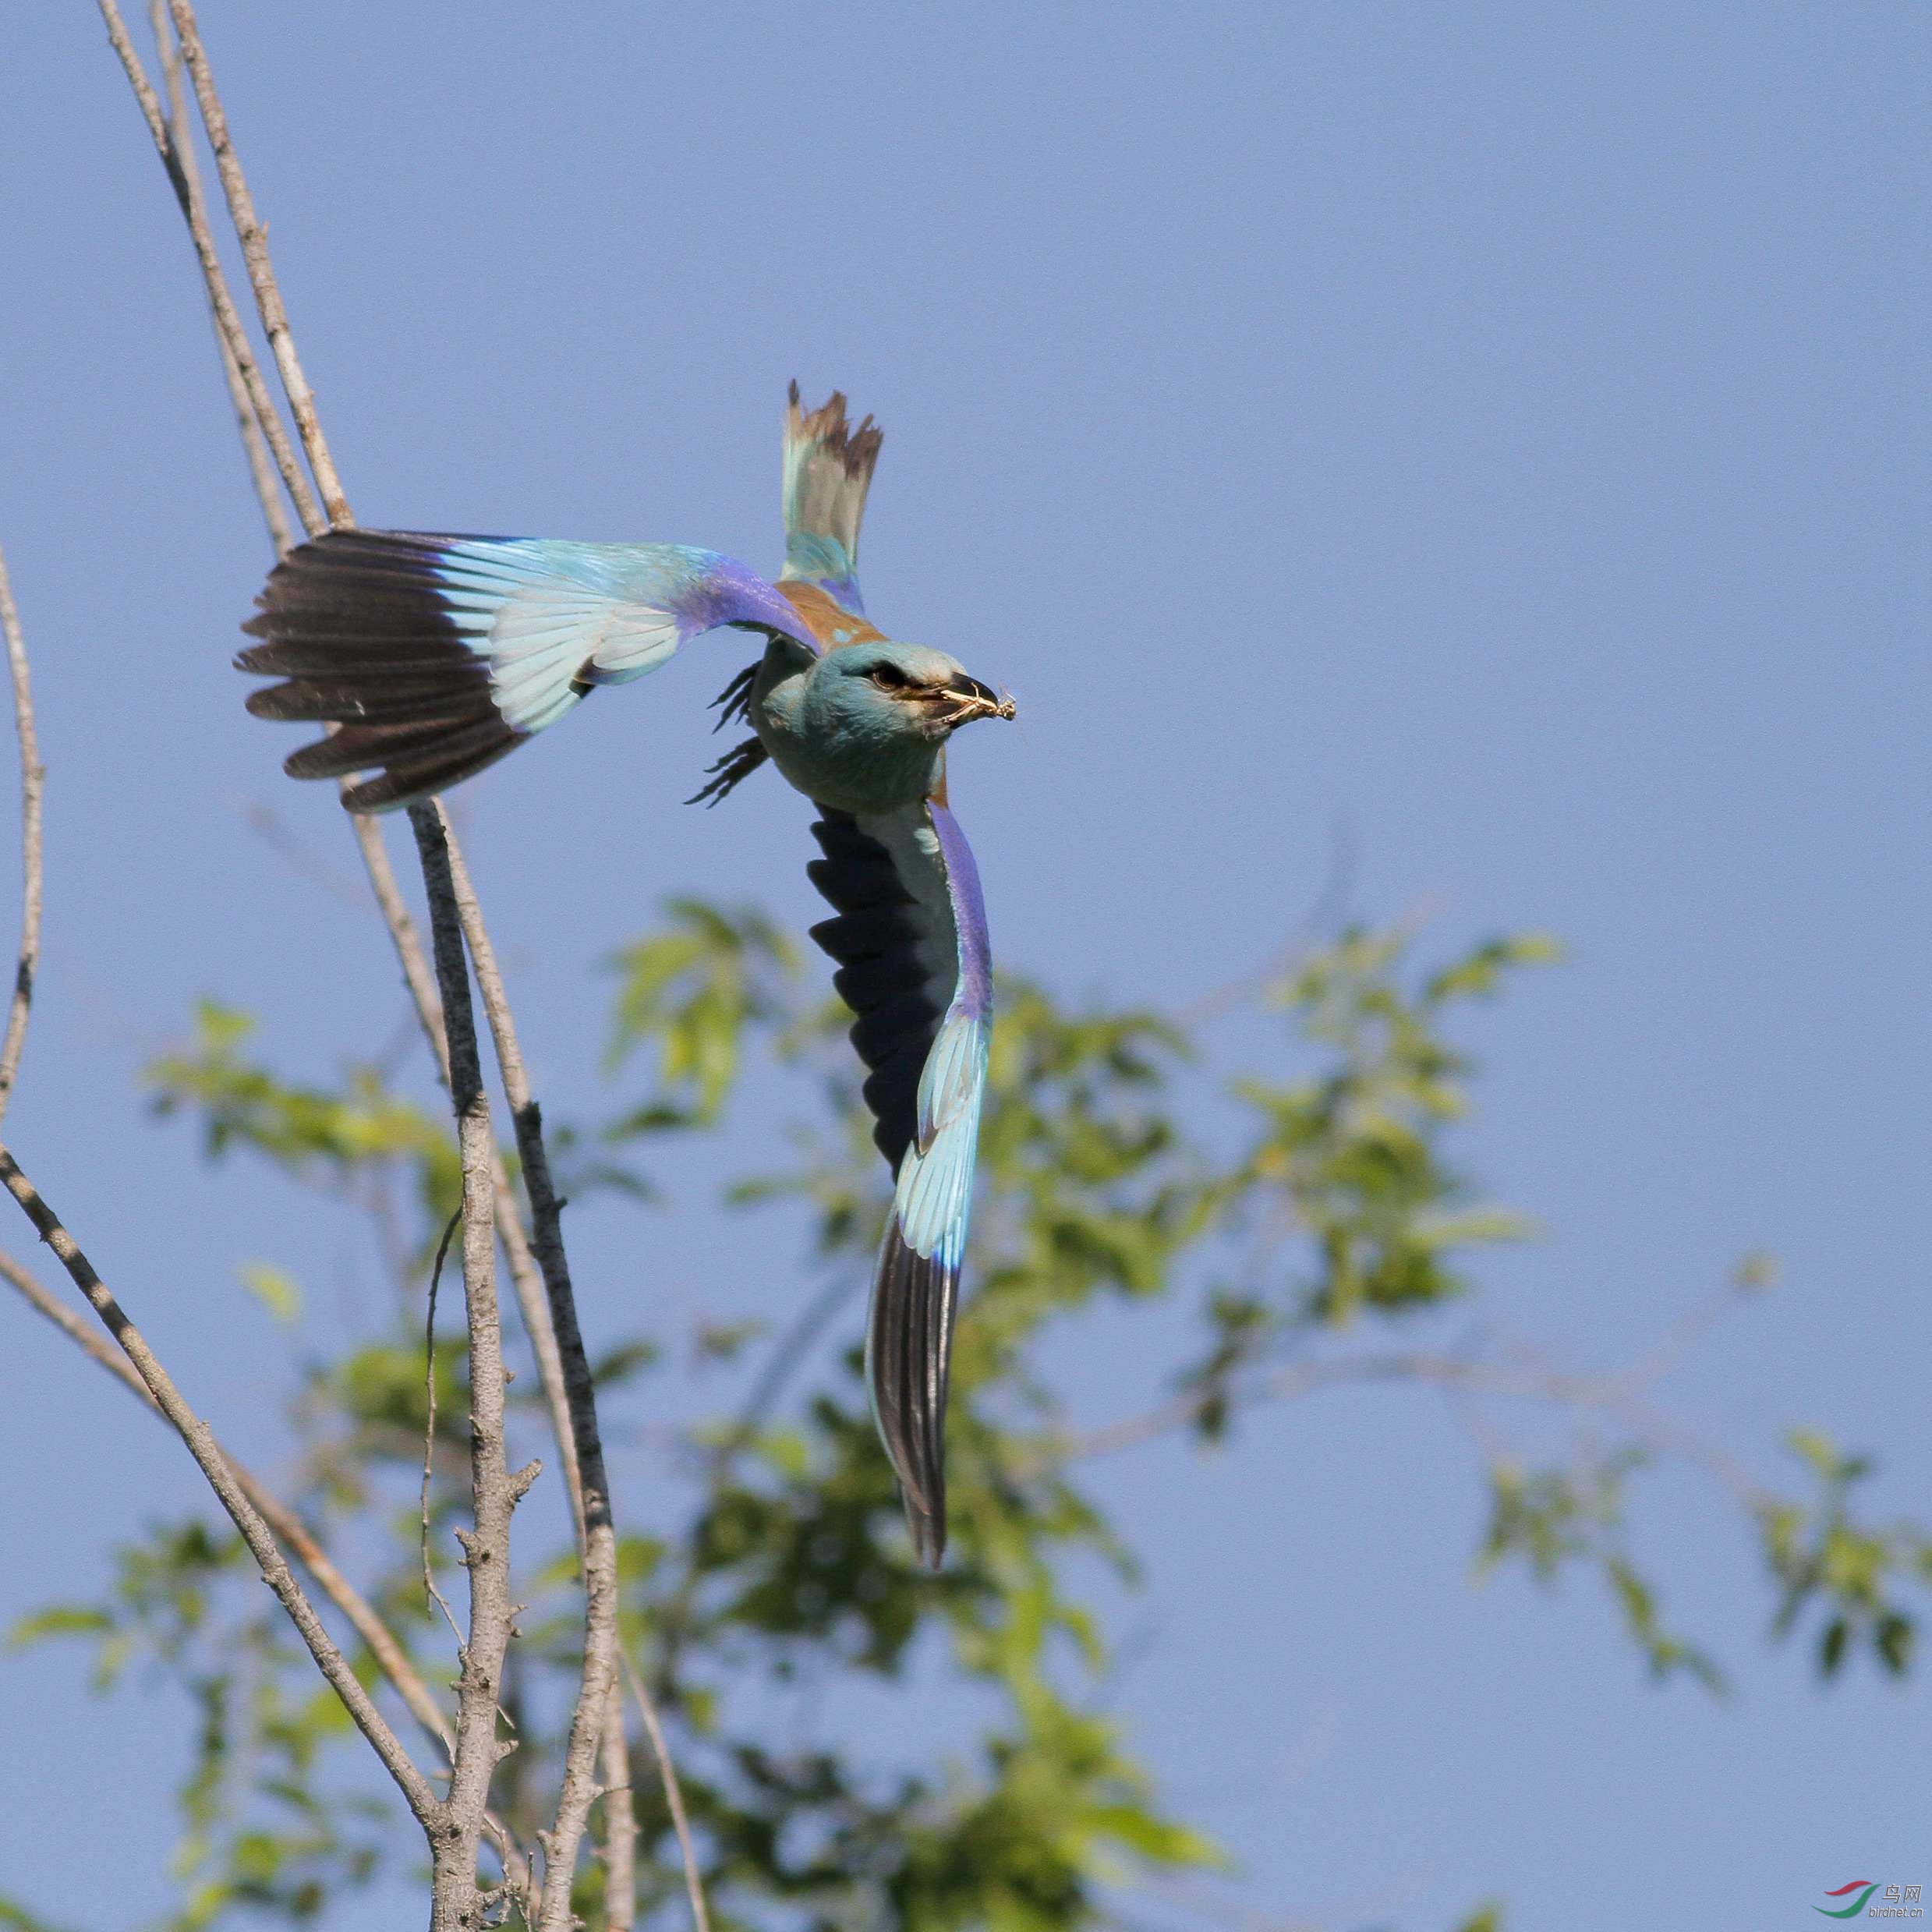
[(434, 656)]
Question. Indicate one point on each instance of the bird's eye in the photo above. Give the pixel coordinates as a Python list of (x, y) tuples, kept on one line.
[(888, 678)]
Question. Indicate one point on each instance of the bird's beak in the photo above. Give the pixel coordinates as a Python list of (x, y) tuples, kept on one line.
[(976, 700)]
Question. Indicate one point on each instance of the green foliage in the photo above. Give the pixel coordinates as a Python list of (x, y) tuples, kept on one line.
[(264, 1825), (274, 1288), (1553, 1518), (300, 1128), (1825, 1560), (1351, 1153), (691, 991), (1301, 1210), (15, 1917), (357, 1140)]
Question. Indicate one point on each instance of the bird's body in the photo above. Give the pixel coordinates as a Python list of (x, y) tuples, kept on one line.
[(433, 656)]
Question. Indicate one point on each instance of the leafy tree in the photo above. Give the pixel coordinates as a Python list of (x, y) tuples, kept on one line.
[(1305, 1210)]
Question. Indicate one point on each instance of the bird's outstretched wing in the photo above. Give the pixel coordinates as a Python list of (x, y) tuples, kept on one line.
[(914, 965), (435, 656), (828, 470)]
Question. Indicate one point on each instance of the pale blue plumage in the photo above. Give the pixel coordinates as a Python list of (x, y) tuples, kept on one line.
[(554, 620)]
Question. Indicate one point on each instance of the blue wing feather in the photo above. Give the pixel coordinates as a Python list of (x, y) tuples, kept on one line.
[(437, 655)]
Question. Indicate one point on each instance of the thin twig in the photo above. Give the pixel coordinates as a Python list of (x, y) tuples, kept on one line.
[(549, 1269), (380, 1642), (1617, 1391), (1679, 1338), (227, 315), (247, 1518), (261, 464), (429, 1425), (368, 833), (33, 777), (674, 1797), (302, 858), (1296, 1379), (383, 1646), (261, 276), (786, 1356)]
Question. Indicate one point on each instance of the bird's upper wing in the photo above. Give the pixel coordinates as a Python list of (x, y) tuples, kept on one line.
[(915, 966), (828, 470), (435, 656)]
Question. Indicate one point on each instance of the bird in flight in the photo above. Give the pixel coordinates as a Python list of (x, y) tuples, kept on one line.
[(433, 656)]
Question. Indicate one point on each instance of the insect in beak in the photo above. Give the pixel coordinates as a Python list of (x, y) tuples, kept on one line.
[(972, 699)]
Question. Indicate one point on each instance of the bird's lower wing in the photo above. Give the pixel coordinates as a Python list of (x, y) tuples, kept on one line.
[(915, 967), (435, 656)]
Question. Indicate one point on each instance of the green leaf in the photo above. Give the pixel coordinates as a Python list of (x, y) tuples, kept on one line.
[(276, 1289), (1487, 1918), (1894, 1637), (15, 1917), (1831, 1645), (693, 990), (57, 1620)]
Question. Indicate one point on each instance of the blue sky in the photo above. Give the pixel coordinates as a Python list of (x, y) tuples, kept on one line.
[(1491, 436)]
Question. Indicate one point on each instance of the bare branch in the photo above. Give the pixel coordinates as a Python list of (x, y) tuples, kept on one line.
[(390, 1658), (565, 1372), (1295, 1379), (227, 316), (33, 777), (396, 912), (550, 1268), (619, 1850), (247, 1518), (1619, 1392), (260, 274), (674, 1797), (487, 1549), (261, 466), (599, 1533)]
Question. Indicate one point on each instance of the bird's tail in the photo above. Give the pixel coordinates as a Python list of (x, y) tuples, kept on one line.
[(828, 470)]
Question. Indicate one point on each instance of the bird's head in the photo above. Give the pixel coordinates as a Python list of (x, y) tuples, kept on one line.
[(902, 691)]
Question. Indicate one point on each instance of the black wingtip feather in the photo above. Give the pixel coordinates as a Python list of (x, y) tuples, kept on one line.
[(355, 624), (365, 747), (908, 1356), (406, 784)]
